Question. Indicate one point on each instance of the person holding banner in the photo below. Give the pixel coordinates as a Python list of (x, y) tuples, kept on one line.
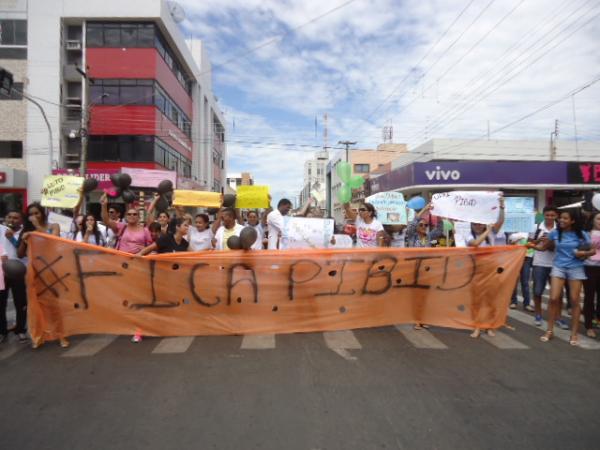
[(229, 228), (418, 233), (132, 236), (201, 235), (572, 246), (252, 220), (591, 286), (369, 230), (170, 243)]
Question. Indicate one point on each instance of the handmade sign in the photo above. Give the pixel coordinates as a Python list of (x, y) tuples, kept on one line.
[(390, 207), (197, 198), (468, 206), (270, 291), (149, 178), (302, 233), (341, 241), (252, 197), (64, 222), (520, 215), (61, 191)]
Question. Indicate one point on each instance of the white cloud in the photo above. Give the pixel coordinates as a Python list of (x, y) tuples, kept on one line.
[(348, 62)]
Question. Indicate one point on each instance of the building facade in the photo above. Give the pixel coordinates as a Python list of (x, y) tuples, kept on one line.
[(13, 108), (235, 180), (315, 179), (122, 88)]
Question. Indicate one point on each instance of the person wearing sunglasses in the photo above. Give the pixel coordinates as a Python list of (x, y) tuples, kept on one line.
[(418, 233), (369, 230), (132, 236)]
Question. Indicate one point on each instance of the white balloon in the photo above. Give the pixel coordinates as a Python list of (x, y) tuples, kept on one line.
[(596, 201)]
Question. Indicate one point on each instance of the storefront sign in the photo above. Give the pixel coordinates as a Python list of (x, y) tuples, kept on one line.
[(584, 173), (102, 175), (149, 178)]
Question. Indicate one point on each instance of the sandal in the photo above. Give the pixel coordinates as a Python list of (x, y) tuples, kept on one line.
[(547, 336), (491, 333), (475, 334), (574, 340), (591, 333)]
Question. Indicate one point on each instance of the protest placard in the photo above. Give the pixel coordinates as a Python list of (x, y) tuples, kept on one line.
[(197, 198), (61, 191), (468, 206), (64, 222), (300, 232), (342, 241), (520, 215), (390, 207), (149, 178), (252, 197)]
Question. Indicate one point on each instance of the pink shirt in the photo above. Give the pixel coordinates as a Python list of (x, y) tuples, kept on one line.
[(595, 235), (132, 241)]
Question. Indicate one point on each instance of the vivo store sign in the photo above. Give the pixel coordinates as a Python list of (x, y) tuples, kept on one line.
[(490, 172)]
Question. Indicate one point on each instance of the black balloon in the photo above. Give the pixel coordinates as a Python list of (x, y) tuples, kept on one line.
[(229, 200), (14, 270), (248, 237), (169, 196), (212, 211), (165, 186), (128, 196), (234, 243), (162, 204), (90, 184), (124, 181), (114, 179)]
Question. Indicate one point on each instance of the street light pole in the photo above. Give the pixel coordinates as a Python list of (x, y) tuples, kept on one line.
[(85, 118), (50, 149), (347, 144)]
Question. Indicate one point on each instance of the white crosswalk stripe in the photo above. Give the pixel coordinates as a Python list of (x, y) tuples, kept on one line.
[(564, 335), (503, 341), (421, 338), (342, 341), (89, 346), (258, 342), (174, 345)]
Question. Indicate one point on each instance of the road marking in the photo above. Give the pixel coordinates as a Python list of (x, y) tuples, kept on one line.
[(342, 341), (258, 342), (562, 309), (7, 349), (90, 346), (174, 344), (564, 335), (503, 341), (421, 338)]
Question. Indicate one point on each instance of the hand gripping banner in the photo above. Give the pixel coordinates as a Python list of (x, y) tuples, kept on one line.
[(77, 288)]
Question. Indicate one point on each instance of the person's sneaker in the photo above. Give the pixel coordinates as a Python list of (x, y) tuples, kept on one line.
[(513, 306), (529, 308), (137, 337), (562, 324), (3, 338), (23, 339), (538, 320)]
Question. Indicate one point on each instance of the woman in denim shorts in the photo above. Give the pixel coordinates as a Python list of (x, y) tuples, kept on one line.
[(572, 246)]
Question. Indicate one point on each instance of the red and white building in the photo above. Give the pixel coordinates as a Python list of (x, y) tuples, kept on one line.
[(147, 92)]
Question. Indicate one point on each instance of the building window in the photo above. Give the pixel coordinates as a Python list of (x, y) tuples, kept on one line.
[(15, 93), (13, 32), (361, 168), (11, 149), (121, 148), (171, 159)]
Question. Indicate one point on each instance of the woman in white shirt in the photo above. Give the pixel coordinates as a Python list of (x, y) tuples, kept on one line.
[(369, 230), (252, 220), (200, 235), (87, 231)]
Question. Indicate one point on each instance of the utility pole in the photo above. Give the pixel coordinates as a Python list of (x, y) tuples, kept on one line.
[(553, 141), (347, 144), (85, 119)]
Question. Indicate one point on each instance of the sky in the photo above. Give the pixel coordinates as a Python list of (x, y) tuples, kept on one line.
[(427, 68)]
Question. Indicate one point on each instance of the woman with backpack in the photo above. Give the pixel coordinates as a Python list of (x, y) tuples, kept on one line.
[(572, 246)]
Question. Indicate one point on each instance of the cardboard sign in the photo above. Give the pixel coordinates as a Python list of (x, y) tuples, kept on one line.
[(61, 191), (342, 241), (64, 222), (300, 232), (149, 178), (197, 198), (519, 215), (252, 197), (270, 291), (468, 206), (390, 207)]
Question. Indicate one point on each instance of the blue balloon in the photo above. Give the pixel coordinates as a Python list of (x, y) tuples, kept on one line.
[(416, 203)]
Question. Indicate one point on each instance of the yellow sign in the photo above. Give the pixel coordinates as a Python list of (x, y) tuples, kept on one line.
[(197, 198), (252, 197), (61, 191)]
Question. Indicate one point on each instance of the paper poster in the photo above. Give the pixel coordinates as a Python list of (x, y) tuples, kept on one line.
[(519, 222), (64, 222), (468, 206), (390, 207), (252, 197), (197, 198), (342, 241), (301, 232), (519, 204), (462, 233), (149, 178), (61, 191)]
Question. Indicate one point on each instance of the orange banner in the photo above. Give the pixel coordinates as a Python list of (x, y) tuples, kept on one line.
[(77, 288)]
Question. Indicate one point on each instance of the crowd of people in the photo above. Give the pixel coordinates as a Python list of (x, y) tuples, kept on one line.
[(560, 251)]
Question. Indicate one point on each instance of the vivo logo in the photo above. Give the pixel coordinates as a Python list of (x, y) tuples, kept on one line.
[(439, 174)]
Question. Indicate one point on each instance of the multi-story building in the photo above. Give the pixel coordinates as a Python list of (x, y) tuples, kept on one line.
[(315, 179), (235, 180), (13, 58), (363, 162), (119, 79)]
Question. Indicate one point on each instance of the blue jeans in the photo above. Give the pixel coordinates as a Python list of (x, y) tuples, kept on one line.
[(524, 279)]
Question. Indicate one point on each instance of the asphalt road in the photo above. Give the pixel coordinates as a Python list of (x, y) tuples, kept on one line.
[(362, 389)]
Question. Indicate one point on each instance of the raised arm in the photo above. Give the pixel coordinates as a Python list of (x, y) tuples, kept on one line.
[(104, 213), (216, 224), (303, 210), (77, 207), (476, 242), (350, 213), (500, 222), (150, 215)]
